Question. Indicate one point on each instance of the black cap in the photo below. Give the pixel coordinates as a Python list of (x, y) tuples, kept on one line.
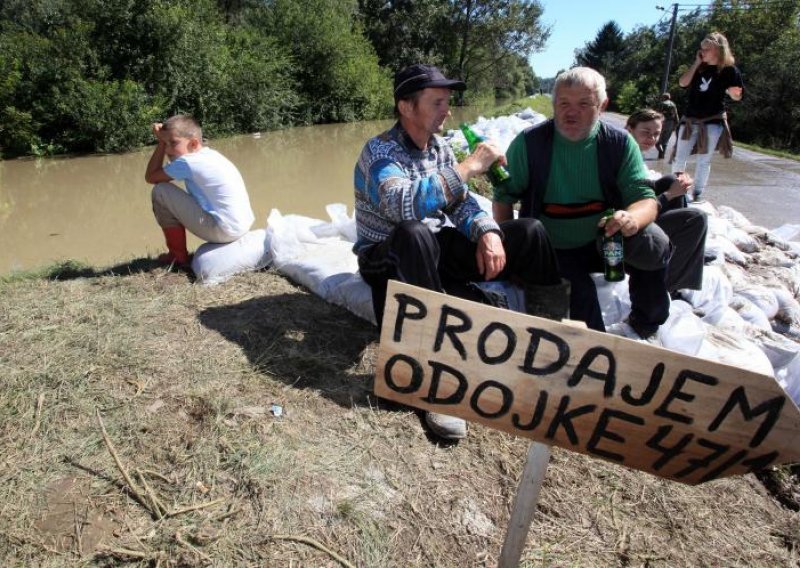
[(417, 77)]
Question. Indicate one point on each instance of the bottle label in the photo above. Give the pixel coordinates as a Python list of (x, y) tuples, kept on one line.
[(612, 252)]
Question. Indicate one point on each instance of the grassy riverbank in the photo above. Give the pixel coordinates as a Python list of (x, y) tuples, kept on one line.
[(177, 382)]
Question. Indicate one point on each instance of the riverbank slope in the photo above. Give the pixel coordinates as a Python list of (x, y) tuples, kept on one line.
[(245, 412)]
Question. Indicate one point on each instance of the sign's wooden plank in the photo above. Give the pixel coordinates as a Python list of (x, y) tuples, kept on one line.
[(648, 408)]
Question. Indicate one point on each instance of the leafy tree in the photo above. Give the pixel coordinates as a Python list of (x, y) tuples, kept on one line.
[(336, 68), (486, 35), (604, 54), (765, 38), (404, 32)]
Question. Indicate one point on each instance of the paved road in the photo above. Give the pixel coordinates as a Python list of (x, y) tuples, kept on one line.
[(763, 188)]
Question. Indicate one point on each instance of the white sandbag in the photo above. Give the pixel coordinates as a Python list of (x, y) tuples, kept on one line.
[(735, 350), (750, 313), (790, 278), (789, 379), (787, 232), (683, 331), (715, 295), (730, 252), (718, 227), (729, 320), (780, 350), (614, 299), (733, 216), (320, 256), (742, 240), (773, 257), (285, 243), (788, 307), (714, 251), (737, 275), (322, 266), (762, 297), (214, 263), (344, 225), (355, 295)]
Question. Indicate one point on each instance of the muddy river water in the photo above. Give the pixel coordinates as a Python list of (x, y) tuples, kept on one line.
[(96, 209)]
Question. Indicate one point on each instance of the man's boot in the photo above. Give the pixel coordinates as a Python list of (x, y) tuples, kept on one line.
[(176, 244), (551, 302)]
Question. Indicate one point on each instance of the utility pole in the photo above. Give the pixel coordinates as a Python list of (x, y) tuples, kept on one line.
[(665, 81)]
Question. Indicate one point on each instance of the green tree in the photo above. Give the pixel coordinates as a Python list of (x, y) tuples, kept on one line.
[(404, 32), (603, 51), (486, 35), (764, 39), (336, 68), (604, 54)]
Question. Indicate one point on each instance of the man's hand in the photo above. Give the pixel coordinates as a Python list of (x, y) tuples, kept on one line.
[(621, 221), (490, 255), (681, 186), (478, 162)]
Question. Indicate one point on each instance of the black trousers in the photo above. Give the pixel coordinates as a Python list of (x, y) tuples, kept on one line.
[(646, 256), (445, 261), (686, 229)]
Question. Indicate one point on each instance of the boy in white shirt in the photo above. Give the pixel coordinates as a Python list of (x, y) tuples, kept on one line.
[(215, 205)]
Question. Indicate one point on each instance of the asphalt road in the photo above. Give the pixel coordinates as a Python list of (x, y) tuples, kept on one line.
[(763, 188)]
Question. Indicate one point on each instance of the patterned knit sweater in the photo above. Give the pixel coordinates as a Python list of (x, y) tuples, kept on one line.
[(396, 181)]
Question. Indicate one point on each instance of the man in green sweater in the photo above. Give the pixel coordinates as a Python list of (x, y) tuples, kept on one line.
[(567, 172)]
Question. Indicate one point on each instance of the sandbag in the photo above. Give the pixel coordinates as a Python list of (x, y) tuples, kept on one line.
[(683, 331), (742, 240), (789, 379), (214, 263), (735, 350), (750, 313), (788, 307), (733, 216), (762, 297), (714, 296)]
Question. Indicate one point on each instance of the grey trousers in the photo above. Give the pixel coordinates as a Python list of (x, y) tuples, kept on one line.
[(173, 206), (686, 229)]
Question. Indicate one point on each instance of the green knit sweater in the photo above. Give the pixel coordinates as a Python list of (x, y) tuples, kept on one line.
[(574, 179)]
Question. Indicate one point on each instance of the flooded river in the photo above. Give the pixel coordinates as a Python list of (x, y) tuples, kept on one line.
[(96, 209)]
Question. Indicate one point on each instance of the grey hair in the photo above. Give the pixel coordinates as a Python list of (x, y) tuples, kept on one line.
[(582, 77)]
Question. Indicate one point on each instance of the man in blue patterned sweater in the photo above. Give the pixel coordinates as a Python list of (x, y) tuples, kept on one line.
[(417, 222)]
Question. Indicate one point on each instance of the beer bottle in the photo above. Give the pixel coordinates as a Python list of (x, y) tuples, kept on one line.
[(496, 172), (613, 257)]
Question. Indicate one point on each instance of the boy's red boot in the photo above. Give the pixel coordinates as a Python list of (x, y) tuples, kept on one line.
[(176, 245)]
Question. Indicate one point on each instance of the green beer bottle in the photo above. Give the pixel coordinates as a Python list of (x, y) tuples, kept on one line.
[(613, 256), (496, 172)]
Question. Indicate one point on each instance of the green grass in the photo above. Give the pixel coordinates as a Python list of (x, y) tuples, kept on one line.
[(538, 103), (770, 151)]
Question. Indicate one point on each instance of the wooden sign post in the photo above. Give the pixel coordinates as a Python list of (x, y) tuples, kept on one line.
[(644, 407)]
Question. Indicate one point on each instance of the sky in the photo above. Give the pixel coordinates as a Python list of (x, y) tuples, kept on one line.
[(574, 23)]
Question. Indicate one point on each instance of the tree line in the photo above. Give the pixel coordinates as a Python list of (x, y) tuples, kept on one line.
[(765, 38), (91, 75)]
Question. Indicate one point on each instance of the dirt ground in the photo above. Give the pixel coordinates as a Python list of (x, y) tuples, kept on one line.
[(148, 421)]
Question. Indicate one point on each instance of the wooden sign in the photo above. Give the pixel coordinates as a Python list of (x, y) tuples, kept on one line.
[(637, 405)]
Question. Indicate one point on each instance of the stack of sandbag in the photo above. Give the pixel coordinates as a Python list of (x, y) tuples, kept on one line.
[(747, 313), (500, 130), (319, 255)]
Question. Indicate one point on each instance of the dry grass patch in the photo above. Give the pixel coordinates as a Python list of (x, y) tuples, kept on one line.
[(184, 379)]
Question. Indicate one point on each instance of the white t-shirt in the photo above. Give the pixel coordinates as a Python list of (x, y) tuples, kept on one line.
[(217, 186)]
